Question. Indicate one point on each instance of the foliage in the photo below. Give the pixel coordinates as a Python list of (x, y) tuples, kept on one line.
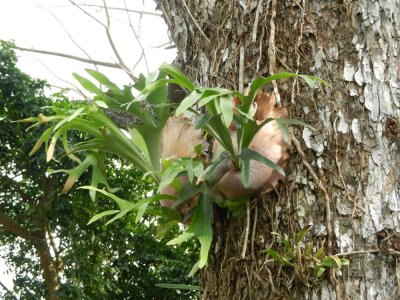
[(307, 263), (151, 109), (121, 261)]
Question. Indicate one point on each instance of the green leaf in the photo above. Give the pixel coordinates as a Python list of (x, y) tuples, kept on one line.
[(139, 142), (284, 130), (194, 269), (201, 227), (178, 286), (310, 80), (87, 84), (188, 102), (213, 125), (44, 138), (295, 122), (302, 233), (179, 77), (216, 169), (75, 114), (180, 239), (155, 85), (103, 79), (260, 82), (320, 271), (226, 105), (319, 253), (248, 154), (309, 249), (245, 172), (141, 210), (344, 262), (187, 192), (331, 262), (101, 215), (122, 204), (283, 260)]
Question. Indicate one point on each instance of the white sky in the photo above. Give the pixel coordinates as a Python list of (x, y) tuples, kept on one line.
[(30, 24)]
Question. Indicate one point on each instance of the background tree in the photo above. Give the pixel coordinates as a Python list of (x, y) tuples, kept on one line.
[(343, 177), (46, 234)]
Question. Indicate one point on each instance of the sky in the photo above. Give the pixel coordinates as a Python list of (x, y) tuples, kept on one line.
[(59, 26), (47, 24)]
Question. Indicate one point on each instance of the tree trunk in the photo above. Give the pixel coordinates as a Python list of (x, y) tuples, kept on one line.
[(343, 178)]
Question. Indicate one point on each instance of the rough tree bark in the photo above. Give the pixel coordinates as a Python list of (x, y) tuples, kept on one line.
[(343, 178)]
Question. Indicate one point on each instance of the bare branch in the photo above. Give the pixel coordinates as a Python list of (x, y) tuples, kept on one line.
[(138, 40), (114, 48), (141, 12), (121, 64), (82, 59), (67, 32), (86, 13), (74, 87)]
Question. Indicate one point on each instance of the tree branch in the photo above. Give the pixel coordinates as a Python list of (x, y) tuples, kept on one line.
[(141, 12), (82, 59), (13, 227), (114, 48)]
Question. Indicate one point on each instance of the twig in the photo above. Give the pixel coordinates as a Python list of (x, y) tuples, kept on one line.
[(360, 252), (114, 48), (75, 88), (241, 69), (328, 222), (138, 40), (256, 19), (328, 216), (253, 234), (67, 32), (247, 230), (260, 51), (297, 46), (194, 21), (141, 12), (82, 59), (272, 52)]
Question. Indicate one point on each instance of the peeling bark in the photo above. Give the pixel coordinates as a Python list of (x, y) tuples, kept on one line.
[(353, 154)]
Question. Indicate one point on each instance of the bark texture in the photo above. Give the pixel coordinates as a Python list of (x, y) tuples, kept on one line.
[(343, 178)]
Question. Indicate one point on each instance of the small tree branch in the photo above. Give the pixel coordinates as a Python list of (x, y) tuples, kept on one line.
[(13, 227), (86, 13), (82, 59), (141, 12), (74, 87), (138, 40), (69, 35), (114, 48)]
